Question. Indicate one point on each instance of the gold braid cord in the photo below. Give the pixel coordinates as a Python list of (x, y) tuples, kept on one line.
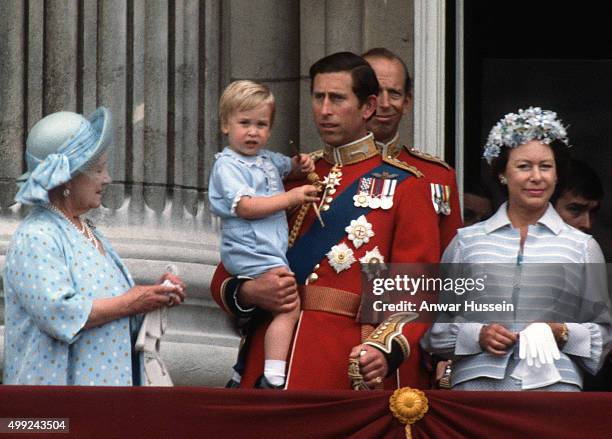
[(297, 224), (313, 179), (408, 405)]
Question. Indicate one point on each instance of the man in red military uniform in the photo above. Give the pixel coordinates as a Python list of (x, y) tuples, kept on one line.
[(394, 99), (375, 209)]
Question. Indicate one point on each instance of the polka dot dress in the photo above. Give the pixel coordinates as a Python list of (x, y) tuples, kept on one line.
[(52, 276)]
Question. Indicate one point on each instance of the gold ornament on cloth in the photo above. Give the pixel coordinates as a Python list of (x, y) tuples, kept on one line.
[(408, 405)]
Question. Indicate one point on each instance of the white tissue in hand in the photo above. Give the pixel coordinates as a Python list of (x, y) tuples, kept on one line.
[(173, 296)]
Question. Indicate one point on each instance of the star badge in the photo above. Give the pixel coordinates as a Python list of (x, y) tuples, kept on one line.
[(340, 257), (359, 231), (372, 263)]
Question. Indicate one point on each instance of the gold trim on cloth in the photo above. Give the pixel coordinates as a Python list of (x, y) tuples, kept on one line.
[(390, 149), (389, 330), (350, 153), (331, 300), (402, 165), (426, 156), (316, 155), (408, 405)]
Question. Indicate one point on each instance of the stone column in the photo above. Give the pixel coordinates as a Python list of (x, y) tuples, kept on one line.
[(263, 45), (12, 102), (429, 88)]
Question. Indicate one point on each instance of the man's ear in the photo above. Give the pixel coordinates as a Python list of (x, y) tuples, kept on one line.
[(369, 107), (407, 104)]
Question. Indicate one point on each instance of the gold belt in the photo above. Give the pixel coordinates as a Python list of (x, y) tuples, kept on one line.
[(331, 300)]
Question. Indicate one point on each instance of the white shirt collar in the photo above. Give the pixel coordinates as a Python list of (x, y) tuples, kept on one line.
[(550, 219)]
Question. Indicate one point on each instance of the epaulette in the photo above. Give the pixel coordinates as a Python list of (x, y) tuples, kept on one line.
[(402, 165), (426, 156), (316, 155)]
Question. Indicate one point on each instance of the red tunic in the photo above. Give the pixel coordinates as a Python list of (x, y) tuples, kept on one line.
[(408, 232)]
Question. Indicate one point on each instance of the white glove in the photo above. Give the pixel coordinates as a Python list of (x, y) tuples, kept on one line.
[(538, 345), (537, 351)]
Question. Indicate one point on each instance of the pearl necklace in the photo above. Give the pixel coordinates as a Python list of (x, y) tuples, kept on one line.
[(85, 230)]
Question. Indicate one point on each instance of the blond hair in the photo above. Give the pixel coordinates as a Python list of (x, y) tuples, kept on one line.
[(244, 95)]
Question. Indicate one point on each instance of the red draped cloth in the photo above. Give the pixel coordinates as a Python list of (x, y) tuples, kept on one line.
[(187, 412)]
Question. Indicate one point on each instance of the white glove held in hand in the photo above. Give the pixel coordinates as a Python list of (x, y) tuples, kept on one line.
[(537, 351), (538, 345)]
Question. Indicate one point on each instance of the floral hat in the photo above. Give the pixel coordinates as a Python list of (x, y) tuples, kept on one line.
[(516, 129)]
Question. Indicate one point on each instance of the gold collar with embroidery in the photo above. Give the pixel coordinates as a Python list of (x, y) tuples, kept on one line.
[(350, 153), (390, 149)]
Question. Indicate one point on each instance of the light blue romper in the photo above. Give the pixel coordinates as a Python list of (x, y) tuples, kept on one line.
[(249, 247)]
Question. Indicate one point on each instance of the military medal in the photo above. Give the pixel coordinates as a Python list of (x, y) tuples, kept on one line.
[(440, 197), (374, 198), (445, 207), (362, 197), (386, 201), (340, 257), (374, 202), (359, 231), (383, 188), (434, 197)]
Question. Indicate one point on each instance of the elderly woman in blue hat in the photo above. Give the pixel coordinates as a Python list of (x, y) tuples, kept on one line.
[(72, 309)]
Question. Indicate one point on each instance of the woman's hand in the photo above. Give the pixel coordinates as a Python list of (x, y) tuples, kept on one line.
[(173, 280), (495, 338), (559, 330), (145, 298), (137, 300)]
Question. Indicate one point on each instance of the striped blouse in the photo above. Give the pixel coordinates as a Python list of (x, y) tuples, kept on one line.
[(576, 279)]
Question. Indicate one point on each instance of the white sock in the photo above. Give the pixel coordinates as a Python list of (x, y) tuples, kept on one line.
[(236, 377), (274, 371)]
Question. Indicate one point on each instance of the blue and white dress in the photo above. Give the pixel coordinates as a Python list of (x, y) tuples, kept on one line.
[(517, 278), (51, 278), (249, 247)]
